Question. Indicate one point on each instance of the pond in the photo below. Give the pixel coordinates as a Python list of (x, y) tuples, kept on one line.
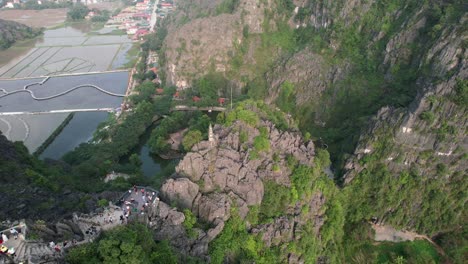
[(151, 164)]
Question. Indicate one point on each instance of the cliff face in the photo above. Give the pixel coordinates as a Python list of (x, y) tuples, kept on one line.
[(210, 40), (383, 84), (10, 32), (424, 144)]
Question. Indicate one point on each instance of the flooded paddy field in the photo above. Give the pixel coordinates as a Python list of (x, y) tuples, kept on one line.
[(65, 50), (68, 69), (80, 129), (74, 93), (33, 130)]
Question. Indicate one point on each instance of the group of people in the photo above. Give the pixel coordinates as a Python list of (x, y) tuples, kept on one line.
[(132, 206), (59, 246), (4, 249)]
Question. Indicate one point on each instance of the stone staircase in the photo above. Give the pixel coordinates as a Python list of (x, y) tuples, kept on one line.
[(35, 252), (89, 225)]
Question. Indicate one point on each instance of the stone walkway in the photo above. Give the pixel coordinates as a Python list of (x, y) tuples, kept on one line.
[(12, 243), (137, 199)]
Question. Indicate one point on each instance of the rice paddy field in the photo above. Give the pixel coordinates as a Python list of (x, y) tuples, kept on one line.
[(72, 67), (64, 51)]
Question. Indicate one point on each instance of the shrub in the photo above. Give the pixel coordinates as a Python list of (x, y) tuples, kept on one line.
[(427, 116), (189, 222), (261, 143), (103, 203), (78, 12), (461, 93), (191, 138)]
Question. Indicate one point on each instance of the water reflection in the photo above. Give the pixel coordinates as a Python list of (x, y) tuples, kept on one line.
[(79, 130)]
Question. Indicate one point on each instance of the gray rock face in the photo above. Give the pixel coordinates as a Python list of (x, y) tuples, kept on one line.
[(214, 206), (217, 176), (192, 167), (280, 231), (180, 191), (413, 136), (192, 49)]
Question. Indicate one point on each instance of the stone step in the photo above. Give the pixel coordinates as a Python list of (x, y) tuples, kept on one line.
[(20, 252)]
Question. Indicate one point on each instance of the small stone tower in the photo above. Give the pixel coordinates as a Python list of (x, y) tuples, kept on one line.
[(211, 137)]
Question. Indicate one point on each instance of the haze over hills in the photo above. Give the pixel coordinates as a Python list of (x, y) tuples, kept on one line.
[(346, 142)]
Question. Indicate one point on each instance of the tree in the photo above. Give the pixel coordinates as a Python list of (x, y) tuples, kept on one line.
[(78, 12), (135, 160), (210, 85), (191, 138)]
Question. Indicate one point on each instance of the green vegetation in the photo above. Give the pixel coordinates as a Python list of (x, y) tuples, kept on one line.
[(428, 116), (361, 248), (176, 121), (261, 143), (44, 5), (10, 32), (461, 93), (103, 203), (227, 6), (124, 244), (191, 138), (454, 244), (240, 246), (235, 244), (286, 100), (77, 12), (275, 201), (425, 210), (189, 222), (101, 16)]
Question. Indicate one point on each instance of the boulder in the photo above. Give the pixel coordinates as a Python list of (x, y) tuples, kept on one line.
[(181, 191), (192, 166), (214, 206)]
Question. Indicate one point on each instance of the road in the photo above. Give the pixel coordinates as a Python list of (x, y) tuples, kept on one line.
[(195, 108), (58, 111), (154, 16)]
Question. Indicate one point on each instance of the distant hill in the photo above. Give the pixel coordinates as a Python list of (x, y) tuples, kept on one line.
[(10, 32)]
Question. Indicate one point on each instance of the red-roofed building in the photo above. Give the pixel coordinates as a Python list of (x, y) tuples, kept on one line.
[(140, 33), (159, 91), (176, 95), (196, 99), (155, 70), (221, 101)]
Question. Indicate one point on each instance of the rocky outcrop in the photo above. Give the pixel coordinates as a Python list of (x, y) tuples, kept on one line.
[(225, 175), (180, 191), (323, 14)]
